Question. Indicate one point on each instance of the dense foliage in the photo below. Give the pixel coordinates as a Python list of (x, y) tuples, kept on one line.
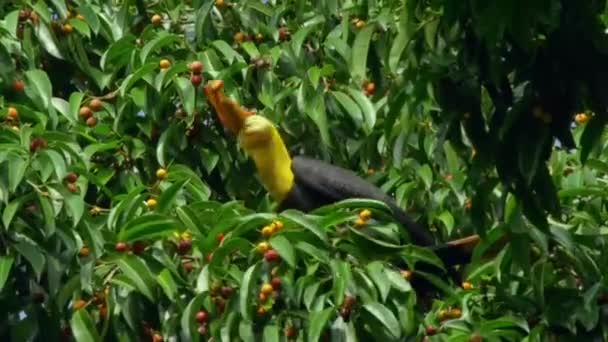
[(128, 213)]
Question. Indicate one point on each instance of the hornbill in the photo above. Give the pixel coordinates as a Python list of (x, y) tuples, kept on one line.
[(304, 183)]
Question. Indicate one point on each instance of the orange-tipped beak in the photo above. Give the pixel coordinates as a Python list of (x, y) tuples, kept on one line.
[(231, 114)]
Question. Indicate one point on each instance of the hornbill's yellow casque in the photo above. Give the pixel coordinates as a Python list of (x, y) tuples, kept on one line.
[(304, 183)]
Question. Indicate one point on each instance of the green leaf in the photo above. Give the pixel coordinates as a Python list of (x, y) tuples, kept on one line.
[(426, 174), (260, 7), (49, 215), (148, 226), (80, 26), (57, 161), (202, 282), (247, 289), (349, 106), (90, 17), (39, 88), (300, 219), (188, 326), (127, 203), (313, 104), (271, 333), (360, 52), (60, 6), (32, 252), (165, 201), (46, 39), (397, 281), (591, 135), (582, 192), (165, 139), (226, 249), (448, 220), (139, 273), (17, 167), (75, 206), (228, 52), (314, 252), (400, 42), (83, 327), (161, 40), (187, 94), (6, 262), (318, 322), (285, 249), (133, 78), (451, 157), (188, 217), (63, 107), (341, 278), (376, 271), (11, 209), (414, 254), (354, 203), (167, 283), (251, 49), (118, 53), (385, 317), (369, 112), (437, 282), (297, 41), (373, 244)]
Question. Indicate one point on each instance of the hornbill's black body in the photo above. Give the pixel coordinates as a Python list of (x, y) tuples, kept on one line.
[(318, 183)]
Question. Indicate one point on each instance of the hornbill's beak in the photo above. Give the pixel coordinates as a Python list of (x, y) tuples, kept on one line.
[(231, 114)]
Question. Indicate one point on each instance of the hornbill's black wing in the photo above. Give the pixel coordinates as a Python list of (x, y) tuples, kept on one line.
[(330, 184), (318, 183)]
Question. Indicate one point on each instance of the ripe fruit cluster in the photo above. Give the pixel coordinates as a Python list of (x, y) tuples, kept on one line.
[(270, 255), (359, 23), (196, 68), (241, 37), (161, 173), (347, 307), (151, 203), (450, 313), (156, 20), (38, 144), (467, 286), (71, 179), (26, 14), (95, 211), (138, 247), (202, 318), (220, 295), (184, 246), (364, 216), (12, 114), (164, 64), (121, 247), (271, 229), (431, 330), (284, 34), (581, 118), (18, 86), (86, 113), (65, 27), (84, 252), (267, 291), (291, 332), (369, 88), (406, 274)]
